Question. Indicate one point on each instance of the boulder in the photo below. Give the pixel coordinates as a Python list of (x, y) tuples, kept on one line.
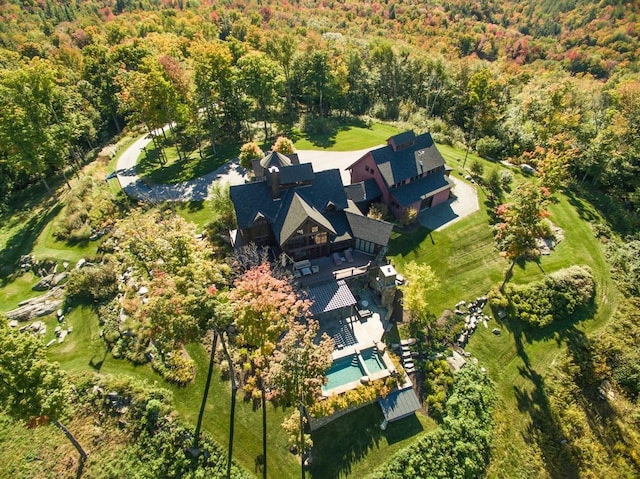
[(44, 284)]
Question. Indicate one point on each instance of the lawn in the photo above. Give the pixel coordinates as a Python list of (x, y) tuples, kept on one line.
[(354, 445), (340, 450), (468, 265), (195, 212), (177, 170), (348, 137)]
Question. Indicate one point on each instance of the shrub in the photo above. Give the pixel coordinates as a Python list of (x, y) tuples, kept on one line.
[(378, 211), (461, 446), (409, 216), (312, 125), (476, 169), (249, 151), (283, 145), (490, 147), (624, 258), (92, 283), (556, 297), (175, 366), (506, 178)]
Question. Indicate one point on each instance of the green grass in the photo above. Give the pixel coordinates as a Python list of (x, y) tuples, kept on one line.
[(348, 137), (195, 212), (84, 351), (175, 170), (354, 445), (350, 447), (467, 264)]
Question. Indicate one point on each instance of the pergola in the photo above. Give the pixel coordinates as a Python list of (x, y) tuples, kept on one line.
[(330, 297)]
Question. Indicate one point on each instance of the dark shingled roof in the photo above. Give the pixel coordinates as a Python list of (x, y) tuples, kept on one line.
[(399, 404), (403, 138), (296, 173), (355, 191), (330, 296), (420, 189), (253, 198), (368, 229), (367, 190), (275, 159), (295, 204), (298, 213), (397, 166)]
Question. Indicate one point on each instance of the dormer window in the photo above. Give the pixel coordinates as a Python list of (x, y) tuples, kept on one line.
[(331, 207)]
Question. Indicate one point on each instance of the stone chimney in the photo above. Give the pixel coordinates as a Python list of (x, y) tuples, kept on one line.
[(273, 177)]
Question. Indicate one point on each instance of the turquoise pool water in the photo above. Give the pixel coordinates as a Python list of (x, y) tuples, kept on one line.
[(373, 360), (343, 371)]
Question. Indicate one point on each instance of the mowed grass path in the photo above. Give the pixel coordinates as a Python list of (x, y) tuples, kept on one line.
[(468, 265)]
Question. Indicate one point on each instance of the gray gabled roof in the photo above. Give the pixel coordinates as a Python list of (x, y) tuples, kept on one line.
[(330, 296), (296, 174), (403, 138), (399, 404), (397, 166), (420, 189), (298, 213), (274, 158), (367, 190), (368, 229)]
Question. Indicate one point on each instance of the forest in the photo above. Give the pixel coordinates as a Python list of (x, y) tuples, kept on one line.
[(492, 76), (552, 85)]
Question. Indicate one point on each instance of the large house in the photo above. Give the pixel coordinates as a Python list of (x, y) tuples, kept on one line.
[(304, 213), (409, 172)]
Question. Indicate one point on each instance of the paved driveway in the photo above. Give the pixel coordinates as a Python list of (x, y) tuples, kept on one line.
[(464, 202), (193, 190)]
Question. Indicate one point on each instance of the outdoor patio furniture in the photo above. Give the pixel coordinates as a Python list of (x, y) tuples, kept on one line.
[(364, 313), (347, 254), (306, 271), (408, 342), (336, 259), (315, 269)]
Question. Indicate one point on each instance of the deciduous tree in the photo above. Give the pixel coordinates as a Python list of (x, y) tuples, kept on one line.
[(284, 145), (263, 306), (248, 152), (520, 222), (298, 371), (420, 281)]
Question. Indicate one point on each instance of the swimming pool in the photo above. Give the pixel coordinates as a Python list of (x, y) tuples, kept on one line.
[(343, 371), (372, 359)]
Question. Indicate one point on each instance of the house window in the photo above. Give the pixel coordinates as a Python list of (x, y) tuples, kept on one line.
[(321, 238), (300, 232), (314, 229), (364, 246)]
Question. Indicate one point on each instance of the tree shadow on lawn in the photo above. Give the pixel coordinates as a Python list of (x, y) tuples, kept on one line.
[(328, 129), (405, 243), (352, 437), (22, 242), (191, 167), (545, 428)]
